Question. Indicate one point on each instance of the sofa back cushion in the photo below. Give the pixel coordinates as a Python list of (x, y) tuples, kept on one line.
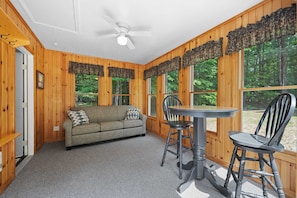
[(105, 113)]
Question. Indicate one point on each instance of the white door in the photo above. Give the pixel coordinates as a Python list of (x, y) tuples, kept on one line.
[(24, 102), (21, 104)]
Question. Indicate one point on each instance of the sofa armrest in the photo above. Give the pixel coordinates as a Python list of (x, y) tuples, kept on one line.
[(67, 125), (143, 118)]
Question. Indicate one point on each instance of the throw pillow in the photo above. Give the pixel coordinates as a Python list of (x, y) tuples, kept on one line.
[(132, 114), (78, 117)]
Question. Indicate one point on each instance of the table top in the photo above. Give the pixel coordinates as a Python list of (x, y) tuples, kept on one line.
[(204, 111)]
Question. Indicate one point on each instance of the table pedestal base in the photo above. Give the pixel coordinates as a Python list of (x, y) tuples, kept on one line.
[(183, 186), (199, 169), (209, 174)]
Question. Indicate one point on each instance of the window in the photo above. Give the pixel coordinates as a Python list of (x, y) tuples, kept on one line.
[(204, 85), (152, 97), (269, 69), (86, 90), (171, 83), (120, 91)]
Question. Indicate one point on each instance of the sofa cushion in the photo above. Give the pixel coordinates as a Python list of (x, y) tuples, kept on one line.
[(132, 123), (78, 117), (132, 114), (86, 128), (99, 114), (113, 125)]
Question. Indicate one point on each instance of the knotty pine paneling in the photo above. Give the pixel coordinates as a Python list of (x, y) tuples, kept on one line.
[(219, 147), (7, 113), (52, 96), (59, 92), (8, 165), (52, 103), (36, 49), (7, 91), (39, 100), (152, 125)]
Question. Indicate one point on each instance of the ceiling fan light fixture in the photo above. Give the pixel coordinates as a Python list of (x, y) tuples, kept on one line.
[(122, 40)]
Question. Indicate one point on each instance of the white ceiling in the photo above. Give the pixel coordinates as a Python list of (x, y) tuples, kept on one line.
[(77, 26)]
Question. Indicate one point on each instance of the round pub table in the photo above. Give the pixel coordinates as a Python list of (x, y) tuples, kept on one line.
[(199, 168)]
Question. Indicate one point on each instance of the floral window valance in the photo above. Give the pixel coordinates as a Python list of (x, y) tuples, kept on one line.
[(169, 65), (279, 23), (121, 72), (209, 50), (151, 72), (85, 68)]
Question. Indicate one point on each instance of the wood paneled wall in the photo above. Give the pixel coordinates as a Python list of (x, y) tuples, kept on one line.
[(219, 147), (7, 115), (52, 102), (7, 91), (60, 88), (58, 95)]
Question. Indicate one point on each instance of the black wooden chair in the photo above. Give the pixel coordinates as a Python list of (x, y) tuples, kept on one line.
[(179, 125), (265, 142)]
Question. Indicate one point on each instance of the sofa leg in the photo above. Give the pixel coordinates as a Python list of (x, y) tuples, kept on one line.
[(143, 134), (68, 148)]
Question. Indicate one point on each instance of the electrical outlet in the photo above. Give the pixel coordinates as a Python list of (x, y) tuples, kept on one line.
[(56, 128)]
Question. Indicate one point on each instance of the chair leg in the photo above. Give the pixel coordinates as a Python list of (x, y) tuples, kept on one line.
[(240, 174), (277, 179), (191, 139), (180, 154), (178, 150), (230, 168), (264, 182), (166, 146)]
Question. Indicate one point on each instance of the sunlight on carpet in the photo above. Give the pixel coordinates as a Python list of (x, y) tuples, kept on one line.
[(203, 189), (192, 192)]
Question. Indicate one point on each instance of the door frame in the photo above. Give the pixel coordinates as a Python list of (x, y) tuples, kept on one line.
[(30, 94)]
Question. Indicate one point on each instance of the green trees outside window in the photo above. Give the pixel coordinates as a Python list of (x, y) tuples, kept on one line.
[(152, 96), (269, 69), (205, 83), (171, 83), (86, 90), (120, 91), (204, 87)]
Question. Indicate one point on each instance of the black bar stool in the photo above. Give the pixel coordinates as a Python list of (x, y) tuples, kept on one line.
[(178, 123), (265, 142)]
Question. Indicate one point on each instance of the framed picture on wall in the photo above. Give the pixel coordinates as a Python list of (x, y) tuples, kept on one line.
[(39, 80)]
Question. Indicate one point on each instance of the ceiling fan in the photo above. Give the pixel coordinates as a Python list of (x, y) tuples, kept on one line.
[(123, 32)]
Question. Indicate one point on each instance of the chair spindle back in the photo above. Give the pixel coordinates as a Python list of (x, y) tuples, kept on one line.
[(276, 117)]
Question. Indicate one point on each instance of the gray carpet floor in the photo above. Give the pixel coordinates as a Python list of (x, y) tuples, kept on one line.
[(128, 168)]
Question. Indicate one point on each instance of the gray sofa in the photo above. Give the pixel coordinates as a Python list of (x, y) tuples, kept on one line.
[(105, 123)]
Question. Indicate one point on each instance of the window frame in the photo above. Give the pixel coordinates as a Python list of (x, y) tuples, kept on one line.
[(244, 89), (149, 95), (165, 83), (113, 95), (192, 93)]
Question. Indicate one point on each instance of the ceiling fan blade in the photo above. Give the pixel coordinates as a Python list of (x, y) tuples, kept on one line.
[(106, 34), (130, 44), (112, 22), (140, 33)]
